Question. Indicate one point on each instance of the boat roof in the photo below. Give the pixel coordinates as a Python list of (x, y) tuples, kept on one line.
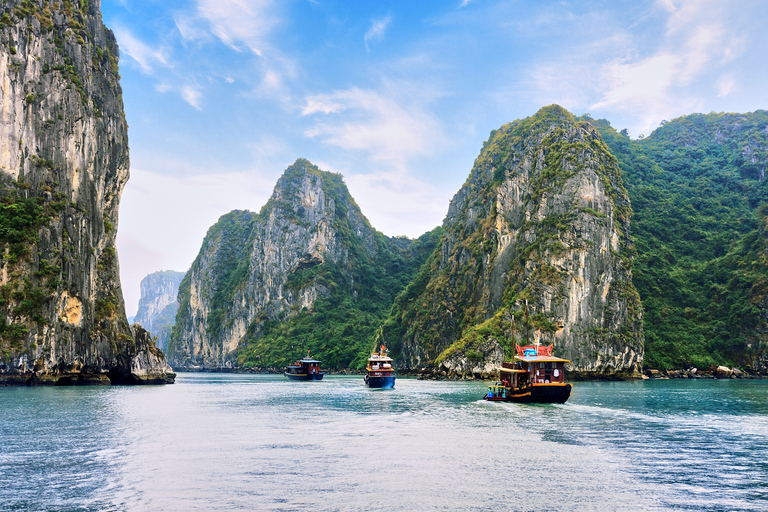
[(309, 360), (541, 359), (377, 357)]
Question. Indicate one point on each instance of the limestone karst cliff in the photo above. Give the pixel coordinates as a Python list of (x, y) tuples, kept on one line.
[(307, 272), (536, 244), (63, 165), (158, 304)]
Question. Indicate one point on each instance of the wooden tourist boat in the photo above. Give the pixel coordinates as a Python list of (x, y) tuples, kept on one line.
[(379, 372), (535, 376), (305, 368)]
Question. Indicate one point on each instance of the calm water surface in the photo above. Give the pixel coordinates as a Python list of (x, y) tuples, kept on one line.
[(259, 442)]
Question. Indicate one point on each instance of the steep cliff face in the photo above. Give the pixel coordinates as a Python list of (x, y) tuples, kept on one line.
[(158, 305), (543, 220), (265, 287), (63, 165)]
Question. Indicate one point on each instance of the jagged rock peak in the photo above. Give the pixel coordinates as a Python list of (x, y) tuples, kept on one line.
[(250, 296), (304, 191), (246, 262), (542, 218)]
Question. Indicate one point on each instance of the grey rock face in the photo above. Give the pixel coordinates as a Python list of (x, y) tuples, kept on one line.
[(63, 165), (246, 260), (158, 304), (543, 218), (308, 272)]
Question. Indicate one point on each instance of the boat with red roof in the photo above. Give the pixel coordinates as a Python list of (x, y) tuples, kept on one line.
[(535, 376)]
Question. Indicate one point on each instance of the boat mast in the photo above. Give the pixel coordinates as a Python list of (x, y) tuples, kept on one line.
[(527, 325), (379, 334)]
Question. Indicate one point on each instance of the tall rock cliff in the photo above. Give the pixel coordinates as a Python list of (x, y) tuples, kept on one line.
[(307, 272), (536, 244), (63, 165), (158, 305)]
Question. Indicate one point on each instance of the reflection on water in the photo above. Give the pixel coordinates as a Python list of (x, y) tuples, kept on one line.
[(259, 442)]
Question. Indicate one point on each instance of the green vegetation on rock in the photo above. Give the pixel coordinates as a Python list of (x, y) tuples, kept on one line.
[(340, 328), (697, 187)]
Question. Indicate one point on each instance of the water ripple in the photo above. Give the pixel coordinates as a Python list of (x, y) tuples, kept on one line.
[(244, 442)]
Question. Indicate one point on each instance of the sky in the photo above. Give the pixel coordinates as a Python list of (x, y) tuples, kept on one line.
[(397, 96)]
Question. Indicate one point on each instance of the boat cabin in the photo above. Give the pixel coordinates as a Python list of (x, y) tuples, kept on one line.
[(380, 365), (304, 369), (308, 366), (533, 365)]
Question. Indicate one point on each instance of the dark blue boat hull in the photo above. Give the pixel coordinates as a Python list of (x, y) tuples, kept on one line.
[(536, 394), (380, 382)]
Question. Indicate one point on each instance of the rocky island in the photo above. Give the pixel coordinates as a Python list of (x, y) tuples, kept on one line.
[(63, 165), (536, 245)]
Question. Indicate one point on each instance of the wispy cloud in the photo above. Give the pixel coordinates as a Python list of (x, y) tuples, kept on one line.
[(377, 30), (696, 40), (374, 122), (143, 54), (192, 95), (237, 23), (245, 26), (724, 86)]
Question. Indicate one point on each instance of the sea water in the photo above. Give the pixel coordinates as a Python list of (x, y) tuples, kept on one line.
[(262, 442)]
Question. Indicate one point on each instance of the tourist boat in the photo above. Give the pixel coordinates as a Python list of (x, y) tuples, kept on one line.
[(305, 368), (535, 376), (379, 372)]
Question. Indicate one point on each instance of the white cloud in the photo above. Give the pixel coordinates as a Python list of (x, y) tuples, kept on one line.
[(163, 87), (370, 121), (635, 85), (699, 37), (191, 28), (703, 43), (245, 26), (323, 104), (724, 86), (237, 22), (398, 204), (143, 54), (192, 95), (377, 30)]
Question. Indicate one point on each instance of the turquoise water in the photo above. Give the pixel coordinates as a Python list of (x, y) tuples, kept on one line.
[(260, 442)]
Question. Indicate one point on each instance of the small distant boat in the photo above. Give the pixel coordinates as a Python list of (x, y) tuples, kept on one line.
[(535, 376), (305, 368), (379, 372)]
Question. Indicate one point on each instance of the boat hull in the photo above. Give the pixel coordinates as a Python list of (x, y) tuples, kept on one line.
[(536, 394), (387, 382), (304, 376)]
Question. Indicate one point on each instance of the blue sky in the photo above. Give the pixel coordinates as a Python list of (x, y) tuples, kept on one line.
[(398, 96)]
